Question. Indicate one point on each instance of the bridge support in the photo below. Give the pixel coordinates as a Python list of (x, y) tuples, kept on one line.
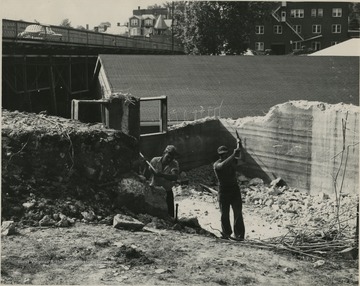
[(35, 83)]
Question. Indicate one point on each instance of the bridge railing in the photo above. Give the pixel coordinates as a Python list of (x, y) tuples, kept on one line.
[(12, 28)]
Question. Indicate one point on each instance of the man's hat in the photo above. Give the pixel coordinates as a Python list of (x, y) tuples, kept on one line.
[(222, 150), (171, 149)]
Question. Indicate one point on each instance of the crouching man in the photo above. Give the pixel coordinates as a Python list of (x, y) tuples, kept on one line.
[(165, 173)]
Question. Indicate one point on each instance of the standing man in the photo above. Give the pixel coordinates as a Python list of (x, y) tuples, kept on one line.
[(229, 192), (165, 173)]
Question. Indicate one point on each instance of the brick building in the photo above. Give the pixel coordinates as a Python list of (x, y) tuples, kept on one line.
[(301, 26), (149, 22)]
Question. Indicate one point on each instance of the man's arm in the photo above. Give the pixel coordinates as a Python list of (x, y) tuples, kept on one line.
[(170, 177), (228, 160)]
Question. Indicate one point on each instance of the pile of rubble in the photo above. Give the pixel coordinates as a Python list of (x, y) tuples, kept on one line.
[(315, 215), (320, 215)]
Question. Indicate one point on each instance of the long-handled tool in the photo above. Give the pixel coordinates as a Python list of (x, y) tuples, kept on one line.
[(239, 144), (239, 139), (147, 162)]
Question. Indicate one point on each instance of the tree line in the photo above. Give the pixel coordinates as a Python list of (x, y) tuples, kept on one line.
[(220, 27)]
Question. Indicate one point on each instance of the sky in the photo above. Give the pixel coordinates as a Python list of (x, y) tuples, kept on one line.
[(79, 12)]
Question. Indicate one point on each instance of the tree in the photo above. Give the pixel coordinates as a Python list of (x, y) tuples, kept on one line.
[(79, 27), (155, 6), (354, 16), (65, 23), (215, 27)]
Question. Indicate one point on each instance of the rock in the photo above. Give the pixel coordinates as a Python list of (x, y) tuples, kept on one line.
[(190, 222), (350, 253), (288, 270), (8, 228), (322, 196), (90, 171), (278, 182), (46, 221), (256, 181), (102, 242), (126, 222), (242, 179), (141, 198), (269, 202), (275, 207), (160, 271), (88, 216), (63, 222), (28, 205), (319, 263)]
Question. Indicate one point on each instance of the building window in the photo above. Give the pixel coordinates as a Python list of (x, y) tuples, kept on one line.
[(336, 28), (297, 46), (277, 29), (333, 43), (134, 22), (336, 12), (133, 32), (316, 29), (259, 46), (313, 12), (315, 46), (297, 28), (320, 12), (259, 30), (297, 13), (148, 22)]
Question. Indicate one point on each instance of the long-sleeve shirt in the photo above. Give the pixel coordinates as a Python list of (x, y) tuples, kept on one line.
[(171, 168)]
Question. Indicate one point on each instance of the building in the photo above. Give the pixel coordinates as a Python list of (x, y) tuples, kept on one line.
[(238, 87), (300, 27), (149, 22)]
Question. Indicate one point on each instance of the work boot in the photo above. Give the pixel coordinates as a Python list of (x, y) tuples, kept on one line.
[(237, 238), (225, 236)]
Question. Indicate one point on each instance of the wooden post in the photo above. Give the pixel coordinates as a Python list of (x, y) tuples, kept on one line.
[(52, 87), (26, 92), (163, 114)]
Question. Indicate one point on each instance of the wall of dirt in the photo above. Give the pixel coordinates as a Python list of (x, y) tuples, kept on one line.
[(56, 165), (302, 142)]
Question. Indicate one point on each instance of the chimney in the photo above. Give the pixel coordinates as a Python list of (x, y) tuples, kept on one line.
[(87, 26), (138, 7), (118, 24)]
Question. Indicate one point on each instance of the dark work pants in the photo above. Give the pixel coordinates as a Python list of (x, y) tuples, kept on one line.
[(170, 202), (231, 198)]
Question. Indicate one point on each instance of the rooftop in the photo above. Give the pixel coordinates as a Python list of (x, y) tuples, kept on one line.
[(242, 85)]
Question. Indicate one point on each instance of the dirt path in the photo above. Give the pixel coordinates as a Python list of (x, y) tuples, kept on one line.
[(206, 209), (102, 255)]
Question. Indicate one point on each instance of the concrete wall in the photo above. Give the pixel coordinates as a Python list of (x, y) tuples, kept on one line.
[(301, 142), (196, 143)]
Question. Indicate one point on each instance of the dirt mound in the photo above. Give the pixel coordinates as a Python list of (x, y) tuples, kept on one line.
[(58, 167)]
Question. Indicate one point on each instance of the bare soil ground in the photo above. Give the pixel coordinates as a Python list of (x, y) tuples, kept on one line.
[(166, 253), (100, 254)]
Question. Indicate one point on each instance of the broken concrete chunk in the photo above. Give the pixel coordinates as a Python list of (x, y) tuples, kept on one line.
[(126, 222), (277, 182), (63, 222), (242, 178), (28, 205), (89, 216), (8, 228), (46, 221), (256, 181), (319, 263), (350, 253)]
